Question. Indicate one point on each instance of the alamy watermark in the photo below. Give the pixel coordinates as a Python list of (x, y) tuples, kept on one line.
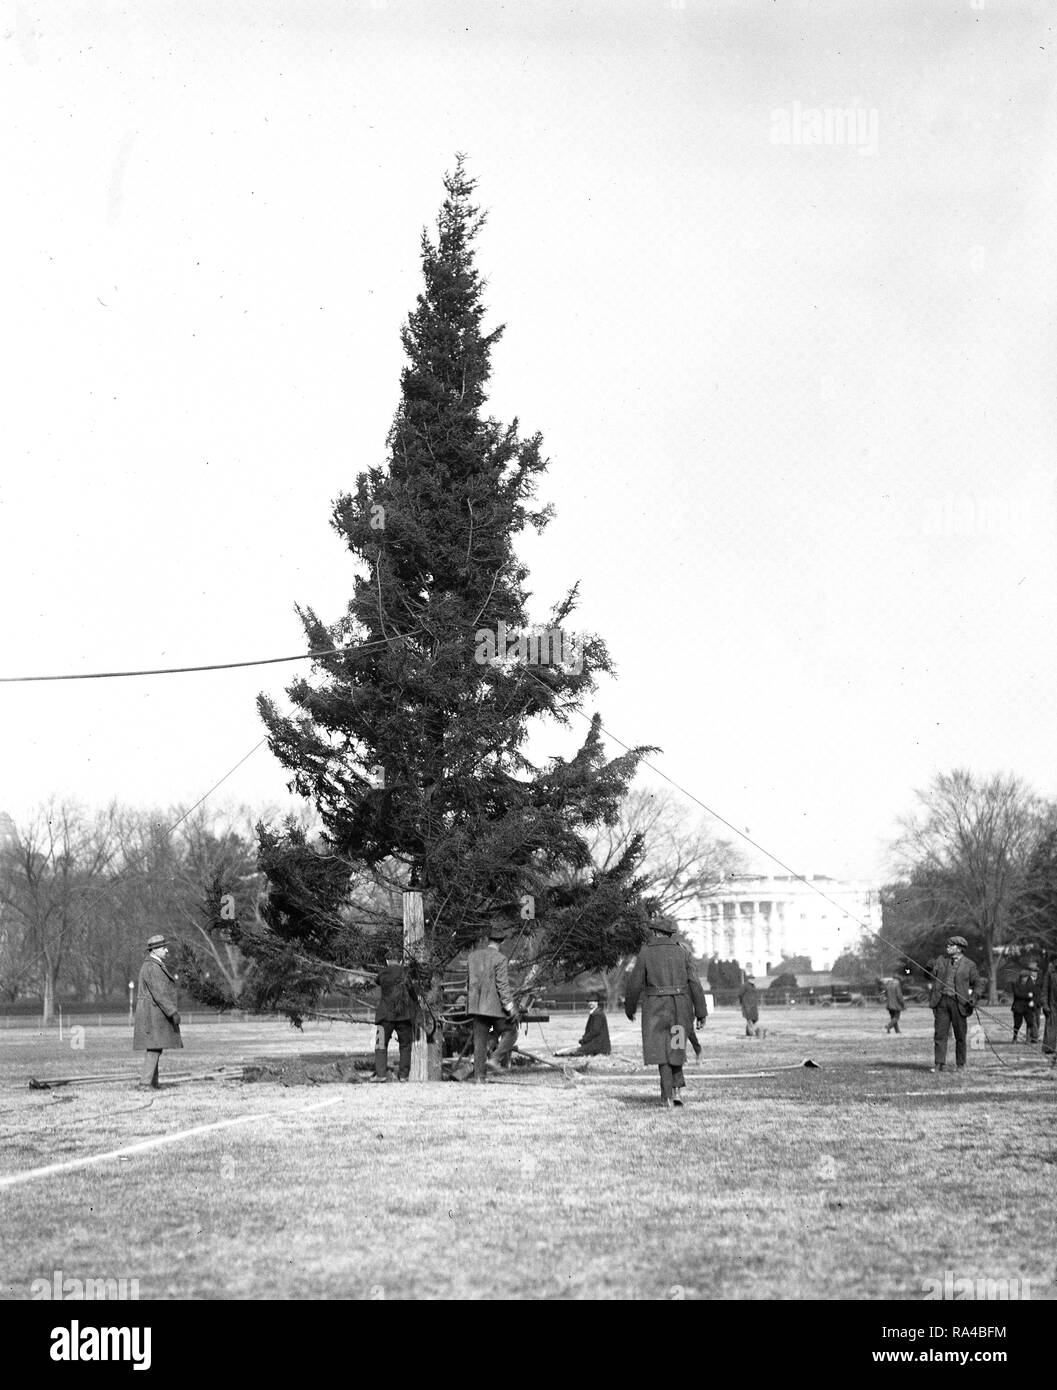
[(853, 127), (976, 515), (68, 1287), (950, 1286), (536, 647)]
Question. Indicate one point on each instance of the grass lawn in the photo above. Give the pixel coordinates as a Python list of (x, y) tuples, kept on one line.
[(856, 1181)]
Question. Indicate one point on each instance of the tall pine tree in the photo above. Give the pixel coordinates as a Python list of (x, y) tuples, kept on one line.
[(410, 737)]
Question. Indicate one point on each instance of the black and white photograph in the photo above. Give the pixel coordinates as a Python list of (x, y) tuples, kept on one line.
[(529, 543)]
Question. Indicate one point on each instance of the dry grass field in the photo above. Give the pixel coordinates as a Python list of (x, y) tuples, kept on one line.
[(858, 1180)]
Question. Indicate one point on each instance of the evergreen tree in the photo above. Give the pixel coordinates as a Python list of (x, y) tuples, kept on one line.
[(409, 737)]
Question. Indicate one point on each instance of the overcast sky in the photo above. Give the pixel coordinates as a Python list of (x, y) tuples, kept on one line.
[(795, 374)]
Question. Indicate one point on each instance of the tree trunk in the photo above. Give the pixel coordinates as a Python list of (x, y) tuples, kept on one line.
[(613, 980), (992, 980), (425, 1052), (48, 1011)]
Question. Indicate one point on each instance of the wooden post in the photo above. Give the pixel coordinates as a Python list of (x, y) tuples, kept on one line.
[(425, 1054)]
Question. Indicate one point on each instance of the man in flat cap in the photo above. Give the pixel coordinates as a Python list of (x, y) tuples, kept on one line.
[(952, 997), (157, 1019), (489, 1001), (672, 998)]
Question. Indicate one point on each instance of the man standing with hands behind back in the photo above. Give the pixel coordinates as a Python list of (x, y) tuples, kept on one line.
[(952, 997), (157, 1020)]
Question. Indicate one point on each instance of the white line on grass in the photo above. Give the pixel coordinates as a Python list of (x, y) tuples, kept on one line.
[(155, 1143)]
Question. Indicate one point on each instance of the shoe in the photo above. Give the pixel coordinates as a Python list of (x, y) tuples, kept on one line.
[(942, 1067), (381, 1080), (403, 1080), (677, 1099), (666, 1102)]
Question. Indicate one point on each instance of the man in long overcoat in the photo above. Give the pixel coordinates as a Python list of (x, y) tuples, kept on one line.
[(1024, 1007), (157, 1018), (952, 998), (489, 1002), (749, 999), (894, 1002), (1048, 1001), (672, 998), (393, 1014)]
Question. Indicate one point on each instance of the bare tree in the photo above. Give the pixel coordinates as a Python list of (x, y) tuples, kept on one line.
[(682, 859), (48, 871), (971, 840)]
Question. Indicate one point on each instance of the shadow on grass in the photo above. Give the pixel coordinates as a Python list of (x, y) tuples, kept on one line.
[(881, 1065)]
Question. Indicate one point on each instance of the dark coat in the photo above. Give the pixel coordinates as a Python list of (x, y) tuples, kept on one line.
[(396, 1004), (966, 980), (666, 982), (488, 983), (1024, 994), (155, 1009), (595, 1041), (894, 996), (1047, 997), (749, 999)]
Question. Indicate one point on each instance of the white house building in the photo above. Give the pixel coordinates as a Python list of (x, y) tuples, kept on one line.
[(758, 919)]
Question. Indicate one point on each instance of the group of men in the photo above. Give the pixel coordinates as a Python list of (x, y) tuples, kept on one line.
[(663, 981), (954, 982)]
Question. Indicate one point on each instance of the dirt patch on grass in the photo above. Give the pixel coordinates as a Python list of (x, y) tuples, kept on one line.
[(340, 1069)]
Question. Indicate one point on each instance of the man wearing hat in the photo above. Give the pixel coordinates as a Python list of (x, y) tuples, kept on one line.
[(672, 998), (952, 997), (489, 1001), (157, 1019), (595, 1041)]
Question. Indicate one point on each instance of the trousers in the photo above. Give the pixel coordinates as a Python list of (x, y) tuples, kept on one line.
[(483, 1028), (382, 1033), (1030, 1018), (947, 1017), (149, 1075), (671, 1079), (893, 1019)]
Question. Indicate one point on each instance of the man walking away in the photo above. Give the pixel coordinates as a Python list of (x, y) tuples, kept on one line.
[(952, 998), (749, 999), (489, 1002), (894, 1003), (1024, 1007), (157, 1019), (393, 1014), (672, 997)]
